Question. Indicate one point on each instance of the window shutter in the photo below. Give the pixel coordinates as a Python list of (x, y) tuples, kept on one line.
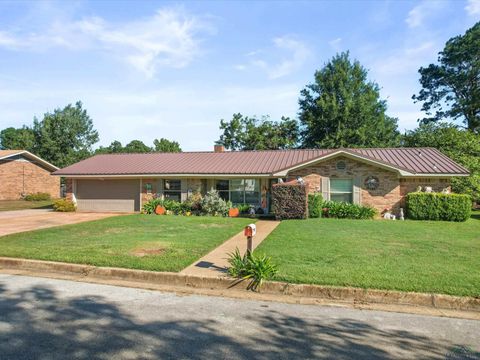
[(160, 188), (184, 194), (326, 188), (357, 190)]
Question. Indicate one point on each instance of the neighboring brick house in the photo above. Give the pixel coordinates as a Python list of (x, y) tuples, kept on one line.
[(22, 173), (376, 177)]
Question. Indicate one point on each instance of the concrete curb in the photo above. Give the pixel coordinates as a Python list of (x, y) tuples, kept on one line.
[(303, 291)]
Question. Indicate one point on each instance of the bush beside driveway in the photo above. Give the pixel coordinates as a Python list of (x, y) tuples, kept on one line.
[(421, 256), (158, 243)]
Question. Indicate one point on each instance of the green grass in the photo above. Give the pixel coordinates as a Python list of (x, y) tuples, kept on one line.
[(173, 242), (420, 256), (7, 205)]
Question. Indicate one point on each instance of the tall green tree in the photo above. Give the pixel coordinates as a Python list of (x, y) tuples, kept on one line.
[(461, 145), (251, 133), (451, 88), (64, 136), (137, 146), (17, 139), (165, 145), (342, 108), (114, 147)]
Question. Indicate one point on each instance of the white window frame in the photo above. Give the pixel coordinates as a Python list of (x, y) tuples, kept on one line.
[(343, 192), (229, 191)]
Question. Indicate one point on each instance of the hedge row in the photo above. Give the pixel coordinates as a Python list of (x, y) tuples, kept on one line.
[(438, 206), (343, 210), (289, 201)]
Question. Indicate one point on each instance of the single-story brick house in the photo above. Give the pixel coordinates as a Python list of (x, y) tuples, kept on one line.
[(23, 173), (377, 177)]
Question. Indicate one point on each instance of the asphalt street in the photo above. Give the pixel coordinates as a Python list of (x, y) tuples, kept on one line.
[(57, 319)]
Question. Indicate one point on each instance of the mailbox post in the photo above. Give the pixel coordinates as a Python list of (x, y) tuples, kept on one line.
[(250, 231)]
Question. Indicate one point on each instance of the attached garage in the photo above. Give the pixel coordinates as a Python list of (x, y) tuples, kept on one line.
[(108, 195)]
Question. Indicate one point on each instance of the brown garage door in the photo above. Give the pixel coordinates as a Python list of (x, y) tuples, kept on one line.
[(108, 195)]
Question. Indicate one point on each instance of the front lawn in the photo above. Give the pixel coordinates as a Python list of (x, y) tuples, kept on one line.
[(160, 243), (419, 256), (7, 205)]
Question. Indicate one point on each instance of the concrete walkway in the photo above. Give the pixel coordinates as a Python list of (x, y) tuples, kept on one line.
[(215, 263)]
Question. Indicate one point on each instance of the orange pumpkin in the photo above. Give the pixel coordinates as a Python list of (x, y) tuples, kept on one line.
[(160, 210), (233, 212)]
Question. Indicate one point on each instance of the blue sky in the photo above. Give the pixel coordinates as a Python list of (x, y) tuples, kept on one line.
[(146, 70)]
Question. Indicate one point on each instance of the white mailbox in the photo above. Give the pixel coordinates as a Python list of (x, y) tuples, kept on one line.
[(250, 230)]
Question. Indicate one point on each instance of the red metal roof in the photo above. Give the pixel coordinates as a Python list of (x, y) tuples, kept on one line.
[(413, 160)]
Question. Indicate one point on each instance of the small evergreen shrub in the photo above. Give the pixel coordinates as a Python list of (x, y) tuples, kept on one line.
[(213, 204), (64, 205), (438, 206), (39, 196), (289, 201), (343, 210), (315, 202)]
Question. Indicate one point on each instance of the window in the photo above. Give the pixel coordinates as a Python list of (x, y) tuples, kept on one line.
[(239, 191), (172, 189), (341, 190), (148, 188)]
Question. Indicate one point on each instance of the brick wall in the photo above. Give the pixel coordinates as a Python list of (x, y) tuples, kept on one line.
[(69, 188), (22, 177), (390, 193)]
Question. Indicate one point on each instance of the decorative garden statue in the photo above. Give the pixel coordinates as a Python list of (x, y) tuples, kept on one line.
[(401, 216)]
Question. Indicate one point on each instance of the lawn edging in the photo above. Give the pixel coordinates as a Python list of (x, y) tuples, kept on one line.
[(341, 294)]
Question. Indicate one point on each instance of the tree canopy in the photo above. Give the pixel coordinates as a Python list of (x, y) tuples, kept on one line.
[(460, 145), (137, 146), (251, 133), (17, 139), (165, 145), (64, 136), (343, 109), (451, 88)]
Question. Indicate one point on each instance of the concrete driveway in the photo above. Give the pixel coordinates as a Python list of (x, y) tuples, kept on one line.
[(26, 220)]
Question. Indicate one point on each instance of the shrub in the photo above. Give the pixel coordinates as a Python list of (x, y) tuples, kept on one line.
[(289, 201), (150, 206), (251, 267), (438, 206), (343, 210), (194, 203), (213, 204), (315, 202), (39, 196), (243, 208), (64, 205)]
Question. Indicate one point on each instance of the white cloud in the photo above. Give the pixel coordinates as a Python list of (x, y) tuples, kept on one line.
[(417, 16), (407, 60), (335, 44), (473, 7), (169, 38), (292, 53)]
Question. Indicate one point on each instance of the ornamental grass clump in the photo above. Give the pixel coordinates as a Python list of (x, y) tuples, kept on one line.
[(251, 267)]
